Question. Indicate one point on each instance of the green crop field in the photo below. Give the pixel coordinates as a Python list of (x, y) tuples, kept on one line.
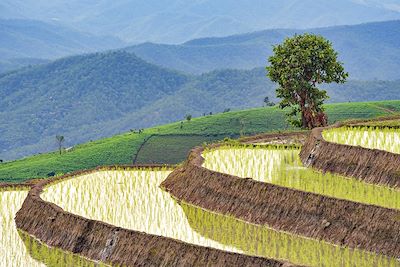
[(171, 149), (122, 149)]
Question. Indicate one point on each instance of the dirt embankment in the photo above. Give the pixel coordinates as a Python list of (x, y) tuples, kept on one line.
[(27, 184), (103, 242), (341, 222), (277, 138), (371, 165)]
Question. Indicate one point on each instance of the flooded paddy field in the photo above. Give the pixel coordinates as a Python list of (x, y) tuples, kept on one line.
[(134, 200), (282, 166), (383, 138), (20, 249)]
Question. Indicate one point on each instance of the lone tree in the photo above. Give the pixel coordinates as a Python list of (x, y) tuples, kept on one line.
[(60, 140), (298, 65)]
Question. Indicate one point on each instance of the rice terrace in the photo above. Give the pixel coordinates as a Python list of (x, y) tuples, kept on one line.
[(271, 199), (200, 133)]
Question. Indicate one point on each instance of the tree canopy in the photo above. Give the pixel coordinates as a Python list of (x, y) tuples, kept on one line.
[(298, 65)]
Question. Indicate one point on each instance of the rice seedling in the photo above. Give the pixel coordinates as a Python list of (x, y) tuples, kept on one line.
[(261, 240), (12, 249), (282, 166), (53, 256), (133, 200), (383, 138), (128, 199), (19, 249)]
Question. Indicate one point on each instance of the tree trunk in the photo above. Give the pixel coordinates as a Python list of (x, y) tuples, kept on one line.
[(310, 117)]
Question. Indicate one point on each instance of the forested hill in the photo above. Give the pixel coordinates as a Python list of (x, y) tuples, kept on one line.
[(369, 51), (79, 91), (96, 95)]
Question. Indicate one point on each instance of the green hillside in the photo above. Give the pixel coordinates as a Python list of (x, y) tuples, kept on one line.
[(162, 146), (173, 148), (76, 92), (93, 96)]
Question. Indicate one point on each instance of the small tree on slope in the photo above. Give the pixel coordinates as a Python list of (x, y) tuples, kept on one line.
[(60, 139), (298, 65)]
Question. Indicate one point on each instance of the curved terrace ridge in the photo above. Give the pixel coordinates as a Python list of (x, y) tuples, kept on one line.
[(103, 242), (342, 222), (370, 165)]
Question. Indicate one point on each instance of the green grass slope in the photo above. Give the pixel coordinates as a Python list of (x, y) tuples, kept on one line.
[(171, 149), (94, 96), (121, 149)]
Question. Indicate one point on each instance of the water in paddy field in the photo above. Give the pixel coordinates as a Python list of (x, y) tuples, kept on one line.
[(282, 166), (133, 200), (12, 249), (19, 249), (369, 137)]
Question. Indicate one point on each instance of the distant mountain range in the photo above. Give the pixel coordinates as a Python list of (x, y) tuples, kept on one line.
[(369, 51), (96, 95), (29, 42), (176, 21), (17, 63)]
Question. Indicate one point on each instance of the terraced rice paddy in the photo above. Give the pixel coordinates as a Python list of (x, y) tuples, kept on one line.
[(53, 257), (282, 166), (12, 249), (369, 137), (133, 200), (19, 249)]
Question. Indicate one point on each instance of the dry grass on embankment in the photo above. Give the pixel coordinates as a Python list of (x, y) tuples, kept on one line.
[(341, 222), (100, 241), (277, 138), (371, 165)]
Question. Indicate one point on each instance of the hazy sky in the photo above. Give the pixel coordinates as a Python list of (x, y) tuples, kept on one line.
[(175, 21)]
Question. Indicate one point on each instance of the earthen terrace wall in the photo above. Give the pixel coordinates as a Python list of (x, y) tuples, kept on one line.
[(341, 222), (370, 165), (103, 242), (338, 221)]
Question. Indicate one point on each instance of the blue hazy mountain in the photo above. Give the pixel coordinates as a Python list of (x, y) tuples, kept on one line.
[(30, 38), (29, 42), (176, 21), (369, 51)]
